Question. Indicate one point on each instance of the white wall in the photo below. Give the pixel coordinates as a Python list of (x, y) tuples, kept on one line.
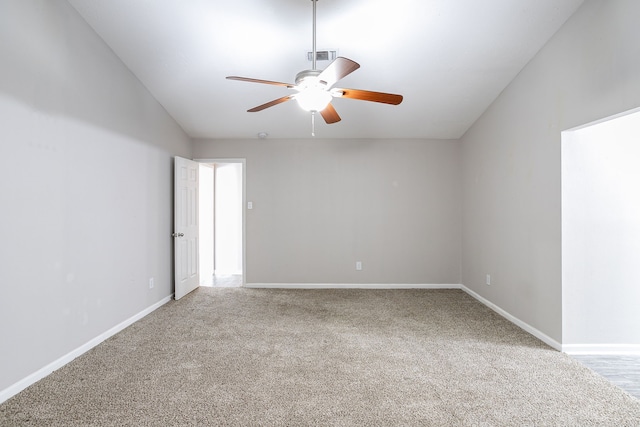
[(511, 158), (601, 235), (321, 205), (86, 188)]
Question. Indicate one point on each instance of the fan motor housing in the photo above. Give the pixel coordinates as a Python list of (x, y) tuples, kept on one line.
[(308, 78)]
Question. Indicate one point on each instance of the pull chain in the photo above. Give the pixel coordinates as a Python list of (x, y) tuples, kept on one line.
[(313, 123)]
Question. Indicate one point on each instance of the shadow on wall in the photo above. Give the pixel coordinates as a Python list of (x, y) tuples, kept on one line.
[(57, 66)]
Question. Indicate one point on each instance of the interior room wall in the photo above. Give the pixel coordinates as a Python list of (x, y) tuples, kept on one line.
[(86, 188), (511, 223), (601, 236), (319, 206)]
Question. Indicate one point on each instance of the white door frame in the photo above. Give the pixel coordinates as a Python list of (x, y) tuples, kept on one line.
[(244, 204)]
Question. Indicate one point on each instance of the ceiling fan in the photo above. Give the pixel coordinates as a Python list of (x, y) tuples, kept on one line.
[(314, 88)]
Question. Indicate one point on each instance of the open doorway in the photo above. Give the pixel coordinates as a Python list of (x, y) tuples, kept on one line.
[(221, 197), (601, 236)]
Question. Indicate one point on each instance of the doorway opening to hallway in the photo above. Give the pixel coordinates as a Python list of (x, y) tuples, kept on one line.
[(221, 197)]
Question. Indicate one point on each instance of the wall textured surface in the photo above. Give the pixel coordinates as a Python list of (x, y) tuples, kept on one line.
[(86, 188), (321, 205), (511, 158)]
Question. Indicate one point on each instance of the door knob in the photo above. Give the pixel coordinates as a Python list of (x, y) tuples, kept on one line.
[(177, 234)]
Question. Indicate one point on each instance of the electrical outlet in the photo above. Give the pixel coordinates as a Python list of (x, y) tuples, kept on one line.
[(488, 279), (359, 265), (151, 283)]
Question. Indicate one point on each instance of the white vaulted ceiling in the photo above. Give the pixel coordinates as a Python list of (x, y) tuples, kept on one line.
[(449, 58)]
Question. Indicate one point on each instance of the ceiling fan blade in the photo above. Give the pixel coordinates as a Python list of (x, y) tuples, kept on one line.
[(339, 68), (330, 115), (366, 95), (270, 104), (268, 82)]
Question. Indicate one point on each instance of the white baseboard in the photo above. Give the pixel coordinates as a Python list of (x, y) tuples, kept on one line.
[(602, 349), (533, 331), (57, 364), (348, 286), (570, 349)]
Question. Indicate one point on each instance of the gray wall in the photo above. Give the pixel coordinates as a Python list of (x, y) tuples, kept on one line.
[(322, 205), (86, 188), (511, 158)]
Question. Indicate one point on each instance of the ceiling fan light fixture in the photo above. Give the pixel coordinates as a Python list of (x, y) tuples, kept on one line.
[(315, 87), (313, 99)]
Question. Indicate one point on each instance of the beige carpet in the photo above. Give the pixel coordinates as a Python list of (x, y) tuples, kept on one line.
[(243, 357)]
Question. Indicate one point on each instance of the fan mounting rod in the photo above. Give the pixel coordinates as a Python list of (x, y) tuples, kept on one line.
[(314, 36)]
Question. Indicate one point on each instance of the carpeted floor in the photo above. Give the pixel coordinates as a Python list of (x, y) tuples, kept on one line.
[(236, 356)]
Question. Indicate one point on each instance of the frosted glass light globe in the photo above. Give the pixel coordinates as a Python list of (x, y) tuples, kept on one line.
[(313, 99)]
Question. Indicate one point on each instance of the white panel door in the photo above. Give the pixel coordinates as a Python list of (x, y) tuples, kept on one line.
[(185, 232)]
